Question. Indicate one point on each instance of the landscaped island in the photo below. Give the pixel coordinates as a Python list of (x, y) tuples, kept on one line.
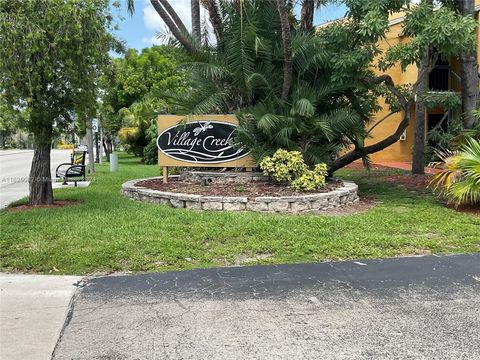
[(108, 232), (232, 191)]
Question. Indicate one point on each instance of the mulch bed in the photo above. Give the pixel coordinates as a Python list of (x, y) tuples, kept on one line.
[(411, 182), (420, 183), (56, 204), (467, 209), (250, 190), (359, 166)]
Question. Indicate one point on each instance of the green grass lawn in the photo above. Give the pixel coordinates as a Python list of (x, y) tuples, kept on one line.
[(108, 232)]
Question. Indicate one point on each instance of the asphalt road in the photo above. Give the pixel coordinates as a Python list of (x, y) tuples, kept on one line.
[(405, 308), (15, 169)]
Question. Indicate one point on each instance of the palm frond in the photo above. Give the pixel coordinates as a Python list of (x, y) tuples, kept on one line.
[(208, 70), (268, 122), (303, 107), (459, 179)]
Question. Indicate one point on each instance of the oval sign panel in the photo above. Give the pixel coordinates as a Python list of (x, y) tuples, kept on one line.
[(201, 142)]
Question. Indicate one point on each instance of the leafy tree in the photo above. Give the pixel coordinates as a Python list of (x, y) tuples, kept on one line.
[(435, 31), (51, 54), (135, 90), (141, 116), (111, 123), (10, 120), (154, 70)]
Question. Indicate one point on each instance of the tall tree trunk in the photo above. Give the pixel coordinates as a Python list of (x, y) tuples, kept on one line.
[(214, 16), (287, 48), (195, 9), (418, 158), (177, 28), (108, 146), (40, 181), (306, 15), (174, 16), (469, 72), (105, 149), (91, 156)]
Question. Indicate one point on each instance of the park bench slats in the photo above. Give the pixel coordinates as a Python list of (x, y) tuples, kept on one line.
[(73, 170)]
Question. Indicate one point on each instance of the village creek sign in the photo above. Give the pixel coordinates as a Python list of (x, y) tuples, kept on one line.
[(202, 141)]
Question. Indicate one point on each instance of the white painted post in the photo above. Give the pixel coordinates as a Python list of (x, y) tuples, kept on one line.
[(101, 144), (113, 162)]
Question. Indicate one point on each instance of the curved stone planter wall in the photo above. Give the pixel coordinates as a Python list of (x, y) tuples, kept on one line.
[(342, 196)]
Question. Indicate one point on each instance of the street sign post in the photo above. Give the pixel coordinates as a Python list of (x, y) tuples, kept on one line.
[(95, 125)]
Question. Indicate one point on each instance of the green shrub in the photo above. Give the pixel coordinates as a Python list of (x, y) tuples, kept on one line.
[(311, 179), (150, 152), (288, 167), (284, 166)]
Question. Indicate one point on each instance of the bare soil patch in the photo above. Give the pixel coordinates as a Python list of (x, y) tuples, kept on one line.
[(250, 190), (56, 204)]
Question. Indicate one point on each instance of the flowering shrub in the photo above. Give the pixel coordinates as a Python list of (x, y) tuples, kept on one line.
[(284, 166), (311, 179), (288, 167)]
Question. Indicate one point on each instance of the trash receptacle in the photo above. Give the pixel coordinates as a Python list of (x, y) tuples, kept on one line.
[(113, 162)]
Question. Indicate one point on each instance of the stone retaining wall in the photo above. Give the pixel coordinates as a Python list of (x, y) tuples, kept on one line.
[(342, 196)]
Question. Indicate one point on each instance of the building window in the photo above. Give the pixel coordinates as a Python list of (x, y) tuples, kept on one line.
[(438, 79)]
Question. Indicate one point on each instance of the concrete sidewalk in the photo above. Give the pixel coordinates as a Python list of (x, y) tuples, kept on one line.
[(33, 309)]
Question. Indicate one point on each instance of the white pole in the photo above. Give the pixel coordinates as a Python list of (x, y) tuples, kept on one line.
[(91, 156), (101, 142)]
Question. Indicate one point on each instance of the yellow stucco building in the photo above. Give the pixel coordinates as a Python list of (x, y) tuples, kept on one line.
[(445, 76)]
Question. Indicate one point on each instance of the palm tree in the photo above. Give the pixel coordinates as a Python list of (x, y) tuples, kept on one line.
[(263, 58), (244, 74), (308, 11), (287, 48), (195, 11), (306, 15)]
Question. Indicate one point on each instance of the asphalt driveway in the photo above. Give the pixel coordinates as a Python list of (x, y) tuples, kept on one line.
[(405, 308)]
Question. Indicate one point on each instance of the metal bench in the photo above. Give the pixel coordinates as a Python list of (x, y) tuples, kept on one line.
[(74, 170)]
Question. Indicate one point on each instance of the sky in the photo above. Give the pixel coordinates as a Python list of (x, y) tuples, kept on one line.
[(140, 30)]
